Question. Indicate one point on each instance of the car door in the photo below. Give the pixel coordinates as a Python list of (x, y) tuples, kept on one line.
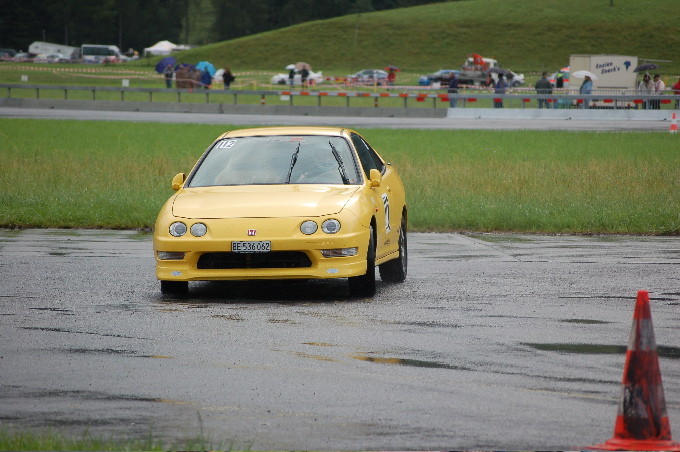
[(387, 219)]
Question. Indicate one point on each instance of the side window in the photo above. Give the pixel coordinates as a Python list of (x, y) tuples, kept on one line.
[(369, 159)]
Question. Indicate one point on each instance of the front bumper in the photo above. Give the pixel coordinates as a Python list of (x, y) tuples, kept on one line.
[(284, 236)]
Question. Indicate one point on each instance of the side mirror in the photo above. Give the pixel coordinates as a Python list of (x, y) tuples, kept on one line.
[(178, 181), (376, 178)]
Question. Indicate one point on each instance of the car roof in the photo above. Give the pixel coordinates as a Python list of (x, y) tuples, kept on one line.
[(290, 130)]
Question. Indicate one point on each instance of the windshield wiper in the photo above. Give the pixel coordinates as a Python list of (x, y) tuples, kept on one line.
[(341, 166), (293, 161)]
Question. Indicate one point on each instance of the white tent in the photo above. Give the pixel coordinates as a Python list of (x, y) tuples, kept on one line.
[(160, 48)]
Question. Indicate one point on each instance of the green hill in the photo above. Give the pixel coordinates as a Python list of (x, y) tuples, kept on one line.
[(525, 35)]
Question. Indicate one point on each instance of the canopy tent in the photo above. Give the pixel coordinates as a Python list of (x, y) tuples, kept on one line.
[(160, 48)]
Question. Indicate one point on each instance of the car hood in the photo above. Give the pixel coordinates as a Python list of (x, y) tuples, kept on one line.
[(261, 201)]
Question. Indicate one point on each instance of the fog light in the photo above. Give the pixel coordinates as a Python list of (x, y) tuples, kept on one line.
[(339, 252), (170, 255)]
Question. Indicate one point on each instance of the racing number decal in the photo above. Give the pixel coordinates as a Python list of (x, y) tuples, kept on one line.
[(386, 204)]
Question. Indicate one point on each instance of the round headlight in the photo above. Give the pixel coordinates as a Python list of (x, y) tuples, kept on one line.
[(308, 227), (178, 229), (330, 226), (198, 229)]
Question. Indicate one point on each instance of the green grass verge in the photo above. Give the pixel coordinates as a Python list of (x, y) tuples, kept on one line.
[(117, 175), (26, 440)]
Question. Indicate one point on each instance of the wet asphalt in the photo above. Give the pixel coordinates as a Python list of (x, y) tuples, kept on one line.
[(495, 341)]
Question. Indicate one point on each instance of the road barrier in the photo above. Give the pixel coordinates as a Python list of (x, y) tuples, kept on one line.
[(519, 98)]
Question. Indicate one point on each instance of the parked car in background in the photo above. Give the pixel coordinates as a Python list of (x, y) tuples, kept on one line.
[(50, 58), (21, 57), (514, 78), (284, 203), (282, 79), (7, 53), (368, 77), (442, 76)]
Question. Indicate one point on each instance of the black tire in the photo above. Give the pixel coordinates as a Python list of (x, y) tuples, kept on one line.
[(364, 285), (174, 287), (394, 271)]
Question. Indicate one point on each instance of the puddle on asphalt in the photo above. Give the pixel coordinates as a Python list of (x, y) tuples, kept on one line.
[(584, 321), (492, 238), (234, 317), (111, 351), (426, 324), (601, 349), (408, 362)]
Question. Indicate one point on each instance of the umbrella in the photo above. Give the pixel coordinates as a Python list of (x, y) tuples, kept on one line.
[(162, 64), (301, 65), (645, 67), (206, 66), (584, 74), (498, 70), (290, 67), (392, 68)]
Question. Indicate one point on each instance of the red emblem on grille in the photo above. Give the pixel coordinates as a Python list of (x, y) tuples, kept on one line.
[(252, 232)]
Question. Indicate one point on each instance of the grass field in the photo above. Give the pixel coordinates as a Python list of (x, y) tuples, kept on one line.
[(117, 175), (54, 441)]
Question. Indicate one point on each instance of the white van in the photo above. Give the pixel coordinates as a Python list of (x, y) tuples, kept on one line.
[(97, 53)]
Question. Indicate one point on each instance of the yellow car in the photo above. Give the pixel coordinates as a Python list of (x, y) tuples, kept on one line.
[(284, 203)]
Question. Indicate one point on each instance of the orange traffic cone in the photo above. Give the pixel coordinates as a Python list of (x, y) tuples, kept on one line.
[(641, 422), (674, 124)]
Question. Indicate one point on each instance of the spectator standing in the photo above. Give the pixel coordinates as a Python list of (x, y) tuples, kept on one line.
[(227, 78), (543, 87), (500, 88), (206, 79), (391, 77), (291, 78), (586, 89), (168, 72), (453, 89), (676, 91), (304, 74), (659, 88), (646, 88)]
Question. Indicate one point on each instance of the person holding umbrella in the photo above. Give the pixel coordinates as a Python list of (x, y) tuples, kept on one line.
[(646, 88), (586, 89), (168, 72)]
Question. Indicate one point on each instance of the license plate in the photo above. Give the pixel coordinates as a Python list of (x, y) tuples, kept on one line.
[(262, 246)]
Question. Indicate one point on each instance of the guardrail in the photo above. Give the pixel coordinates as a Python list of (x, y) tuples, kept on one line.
[(518, 98)]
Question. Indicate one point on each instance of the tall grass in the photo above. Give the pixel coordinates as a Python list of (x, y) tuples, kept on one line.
[(117, 175)]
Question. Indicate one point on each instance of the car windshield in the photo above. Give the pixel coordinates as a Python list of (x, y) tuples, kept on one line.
[(257, 160)]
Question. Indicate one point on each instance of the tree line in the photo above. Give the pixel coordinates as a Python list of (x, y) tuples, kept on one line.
[(138, 24)]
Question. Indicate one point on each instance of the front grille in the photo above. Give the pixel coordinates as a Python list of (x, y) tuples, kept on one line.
[(274, 259)]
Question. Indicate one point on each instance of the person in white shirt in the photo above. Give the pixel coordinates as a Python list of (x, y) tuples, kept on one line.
[(659, 87)]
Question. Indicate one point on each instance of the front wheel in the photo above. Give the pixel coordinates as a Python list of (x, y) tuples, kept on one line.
[(174, 287), (364, 285), (394, 271)]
